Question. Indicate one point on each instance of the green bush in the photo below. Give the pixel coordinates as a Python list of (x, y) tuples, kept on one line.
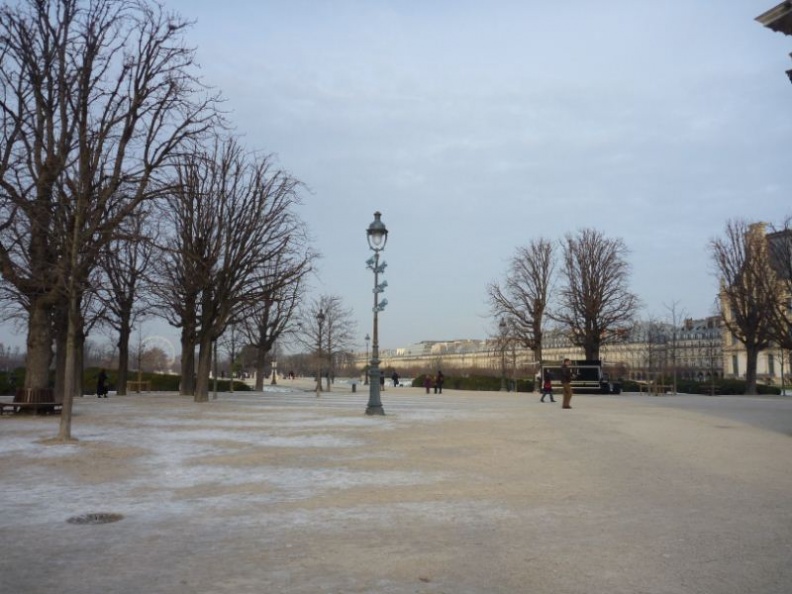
[(11, 380), (483, 383), (720, 386), (159, 382)]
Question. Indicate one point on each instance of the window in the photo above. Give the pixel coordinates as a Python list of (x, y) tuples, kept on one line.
[(771, 364), (735, 366)]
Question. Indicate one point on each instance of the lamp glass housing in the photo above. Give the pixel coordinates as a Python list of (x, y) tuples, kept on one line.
[(377, 233)]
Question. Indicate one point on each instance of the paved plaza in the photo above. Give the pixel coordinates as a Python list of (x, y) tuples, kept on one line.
[(459, 493)]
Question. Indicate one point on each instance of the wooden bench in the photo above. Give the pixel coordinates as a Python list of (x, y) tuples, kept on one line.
[(654, 389), (659, 389), (38, 400), (135, 386), (43, 408)]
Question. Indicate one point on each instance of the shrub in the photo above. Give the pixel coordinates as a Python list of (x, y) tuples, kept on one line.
[(159, 382), (484, 383), (719, 386), (11, 380)]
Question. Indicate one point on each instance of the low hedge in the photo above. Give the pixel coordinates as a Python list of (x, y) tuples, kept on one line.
[(718, 387), (159, 382), (483, 383), (11, 380)]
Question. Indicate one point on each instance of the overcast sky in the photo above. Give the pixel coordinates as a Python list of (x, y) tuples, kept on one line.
[(477, 126)]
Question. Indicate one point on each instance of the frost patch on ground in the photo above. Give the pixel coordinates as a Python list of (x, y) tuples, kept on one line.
[(169, 457)]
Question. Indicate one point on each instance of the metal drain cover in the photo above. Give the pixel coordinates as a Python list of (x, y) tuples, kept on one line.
[(95, 519)]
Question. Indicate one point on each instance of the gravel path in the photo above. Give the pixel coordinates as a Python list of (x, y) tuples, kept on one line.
[(461, 493)]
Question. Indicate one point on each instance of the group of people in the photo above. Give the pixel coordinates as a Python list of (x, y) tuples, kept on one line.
[(566, 385), (436, 382)]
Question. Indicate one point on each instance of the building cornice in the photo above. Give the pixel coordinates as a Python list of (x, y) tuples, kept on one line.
[(778, 19)]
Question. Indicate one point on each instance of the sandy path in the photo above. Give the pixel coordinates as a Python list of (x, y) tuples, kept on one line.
[(460, 493)]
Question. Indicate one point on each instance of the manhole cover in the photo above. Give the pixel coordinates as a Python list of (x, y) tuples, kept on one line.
[(95, 519)]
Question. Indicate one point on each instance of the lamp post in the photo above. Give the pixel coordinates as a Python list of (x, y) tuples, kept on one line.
[(365, 375), (320, 318), (503, 329), (377, 235)]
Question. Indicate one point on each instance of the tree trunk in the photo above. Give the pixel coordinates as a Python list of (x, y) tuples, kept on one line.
[(39, 347), (60, 327), (752, 356), (79, 346), (592, 352), (261, 361), (204, 366), (123, 359), (69, 380), (187, 387)]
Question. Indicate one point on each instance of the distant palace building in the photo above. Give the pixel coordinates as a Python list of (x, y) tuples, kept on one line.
[(645, 351)]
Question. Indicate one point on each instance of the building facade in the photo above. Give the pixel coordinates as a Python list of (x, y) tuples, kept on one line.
[(647, 350)]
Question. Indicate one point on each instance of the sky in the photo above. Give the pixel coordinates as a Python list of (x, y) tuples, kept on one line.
[(476, 127)]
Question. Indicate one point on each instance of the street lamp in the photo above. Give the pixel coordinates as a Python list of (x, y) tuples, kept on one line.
[(320, 318), (503, 329), (377, 235), (365, 375)]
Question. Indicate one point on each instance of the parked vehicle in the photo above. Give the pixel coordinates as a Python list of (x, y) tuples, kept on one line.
[(587, 377)]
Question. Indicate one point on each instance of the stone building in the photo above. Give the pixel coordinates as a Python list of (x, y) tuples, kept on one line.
[(772, 365), (645, 351)]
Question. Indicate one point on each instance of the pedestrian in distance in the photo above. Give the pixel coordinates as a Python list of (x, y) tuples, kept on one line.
[(439, 382), (547, 387), (395, 378), (566, 383), (428, 382), (101, 384)]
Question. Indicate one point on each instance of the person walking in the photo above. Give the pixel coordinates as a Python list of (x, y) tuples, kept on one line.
[(566, 383), (439, 382), (547, 387), (428, 382), (101, 384)]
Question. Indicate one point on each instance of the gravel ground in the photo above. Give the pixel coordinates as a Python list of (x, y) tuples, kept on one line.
[(461, 493)]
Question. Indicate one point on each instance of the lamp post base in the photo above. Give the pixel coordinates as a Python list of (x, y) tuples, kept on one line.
[(375, 410), (375, 387)]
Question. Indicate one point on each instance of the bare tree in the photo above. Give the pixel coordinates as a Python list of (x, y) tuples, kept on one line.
[(749, 290), (501, 339), (523, 296), (780, 245), (653, 336), (677, 315), (594, 303), (340, 332), (329, 335), (96, 98), (125, 262), (274, 316), (230, 342), (153, 359), (232, 216)]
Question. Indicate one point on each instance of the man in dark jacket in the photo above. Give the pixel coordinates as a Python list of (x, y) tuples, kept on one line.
[(566, 383)]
